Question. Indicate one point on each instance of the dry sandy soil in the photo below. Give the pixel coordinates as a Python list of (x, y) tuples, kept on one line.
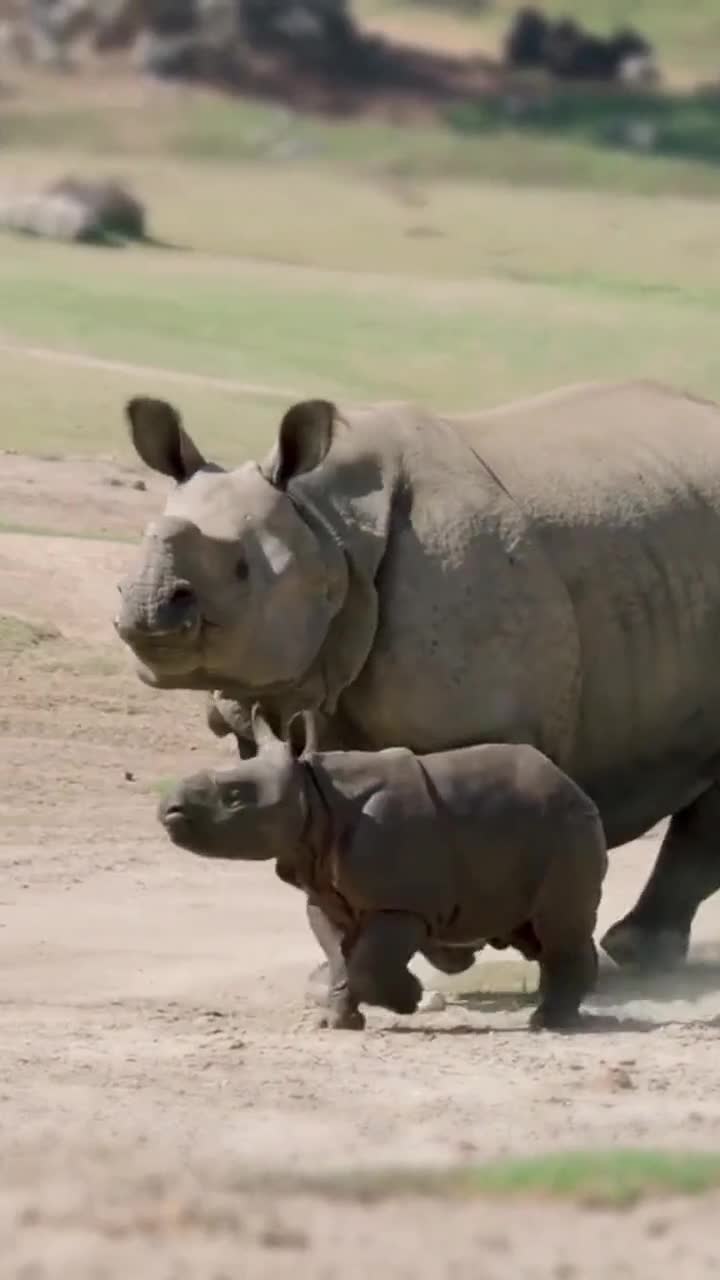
[(157, 1061)]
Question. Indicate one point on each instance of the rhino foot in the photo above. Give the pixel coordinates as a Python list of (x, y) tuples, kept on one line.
[(548, 1017), (341, 1020), (635, 946)]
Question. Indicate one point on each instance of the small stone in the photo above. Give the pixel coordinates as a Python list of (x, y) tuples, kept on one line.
[(129, 776), (140, 485)]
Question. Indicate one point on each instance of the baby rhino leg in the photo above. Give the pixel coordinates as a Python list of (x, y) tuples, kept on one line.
[(342, 1013), (563, 921), (377, 963), (567, 974)]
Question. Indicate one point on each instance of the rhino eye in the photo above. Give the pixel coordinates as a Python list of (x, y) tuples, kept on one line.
[(242, 570)]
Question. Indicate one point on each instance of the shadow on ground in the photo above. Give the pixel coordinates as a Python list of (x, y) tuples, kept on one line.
[(508, 986)]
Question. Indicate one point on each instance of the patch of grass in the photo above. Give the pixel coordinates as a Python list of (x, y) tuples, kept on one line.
[(615, 1179), (539, 321), (19, 634), (207, 131), (50, 407), (686, 128), (43, 531), (481, 143), (82, 663), (161, 787)]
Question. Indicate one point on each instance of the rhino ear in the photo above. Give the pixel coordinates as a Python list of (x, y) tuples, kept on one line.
[(265, 737), (302, 734), (305, 436), (161, 440)]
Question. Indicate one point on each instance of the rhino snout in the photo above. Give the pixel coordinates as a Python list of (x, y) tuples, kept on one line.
[(176, 615), (188, 811)]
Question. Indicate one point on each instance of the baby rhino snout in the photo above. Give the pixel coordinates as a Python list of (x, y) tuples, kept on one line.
[(188, 809)]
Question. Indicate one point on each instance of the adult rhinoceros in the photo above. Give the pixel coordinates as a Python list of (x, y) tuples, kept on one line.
[(547, 572)]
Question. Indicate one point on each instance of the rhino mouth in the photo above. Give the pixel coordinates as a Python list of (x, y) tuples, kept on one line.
[(186, 835), (164, 656)]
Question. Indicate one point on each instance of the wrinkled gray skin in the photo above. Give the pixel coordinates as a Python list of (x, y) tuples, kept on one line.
[(401, 852), (222, 718), (546, 573)]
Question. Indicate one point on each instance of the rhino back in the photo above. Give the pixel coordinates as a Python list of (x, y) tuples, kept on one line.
[(474, 637), (462, 838), (391, 849), (621, 487)]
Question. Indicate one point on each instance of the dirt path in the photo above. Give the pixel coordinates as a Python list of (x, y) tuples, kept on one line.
[(156, 1054), (78, 360)]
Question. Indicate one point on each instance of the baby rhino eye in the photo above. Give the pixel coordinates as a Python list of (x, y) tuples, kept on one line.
[(242, 570)]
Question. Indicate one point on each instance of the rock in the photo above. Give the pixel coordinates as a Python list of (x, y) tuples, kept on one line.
[(75, 210), (112, 206), (54, 217)]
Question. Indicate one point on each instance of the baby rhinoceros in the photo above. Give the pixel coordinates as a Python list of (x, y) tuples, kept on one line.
[(404, 853)]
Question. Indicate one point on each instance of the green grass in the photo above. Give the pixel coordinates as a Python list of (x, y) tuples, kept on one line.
[(44, 531), (614, 1179), (685, 128), (207, 130), (544, 316), (64, 410), (358, 269)]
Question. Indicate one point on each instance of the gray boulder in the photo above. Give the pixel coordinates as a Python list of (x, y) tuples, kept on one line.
[(76, 210)]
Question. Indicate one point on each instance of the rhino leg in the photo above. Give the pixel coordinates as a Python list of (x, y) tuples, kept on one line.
[(655, 935), (560, 932), (341, 1010), (566, 976), (378, 960)]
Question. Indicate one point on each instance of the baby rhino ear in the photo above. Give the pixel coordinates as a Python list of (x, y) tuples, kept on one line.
[(302, 734)]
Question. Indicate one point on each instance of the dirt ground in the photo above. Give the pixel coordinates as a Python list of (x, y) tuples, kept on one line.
[(157, 1060)]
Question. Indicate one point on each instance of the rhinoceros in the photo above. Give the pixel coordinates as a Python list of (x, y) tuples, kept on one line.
[(545, 573), (401, 852)]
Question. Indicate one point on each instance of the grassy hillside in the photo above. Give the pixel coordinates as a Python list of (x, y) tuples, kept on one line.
[(687, 36), (357, 259)]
